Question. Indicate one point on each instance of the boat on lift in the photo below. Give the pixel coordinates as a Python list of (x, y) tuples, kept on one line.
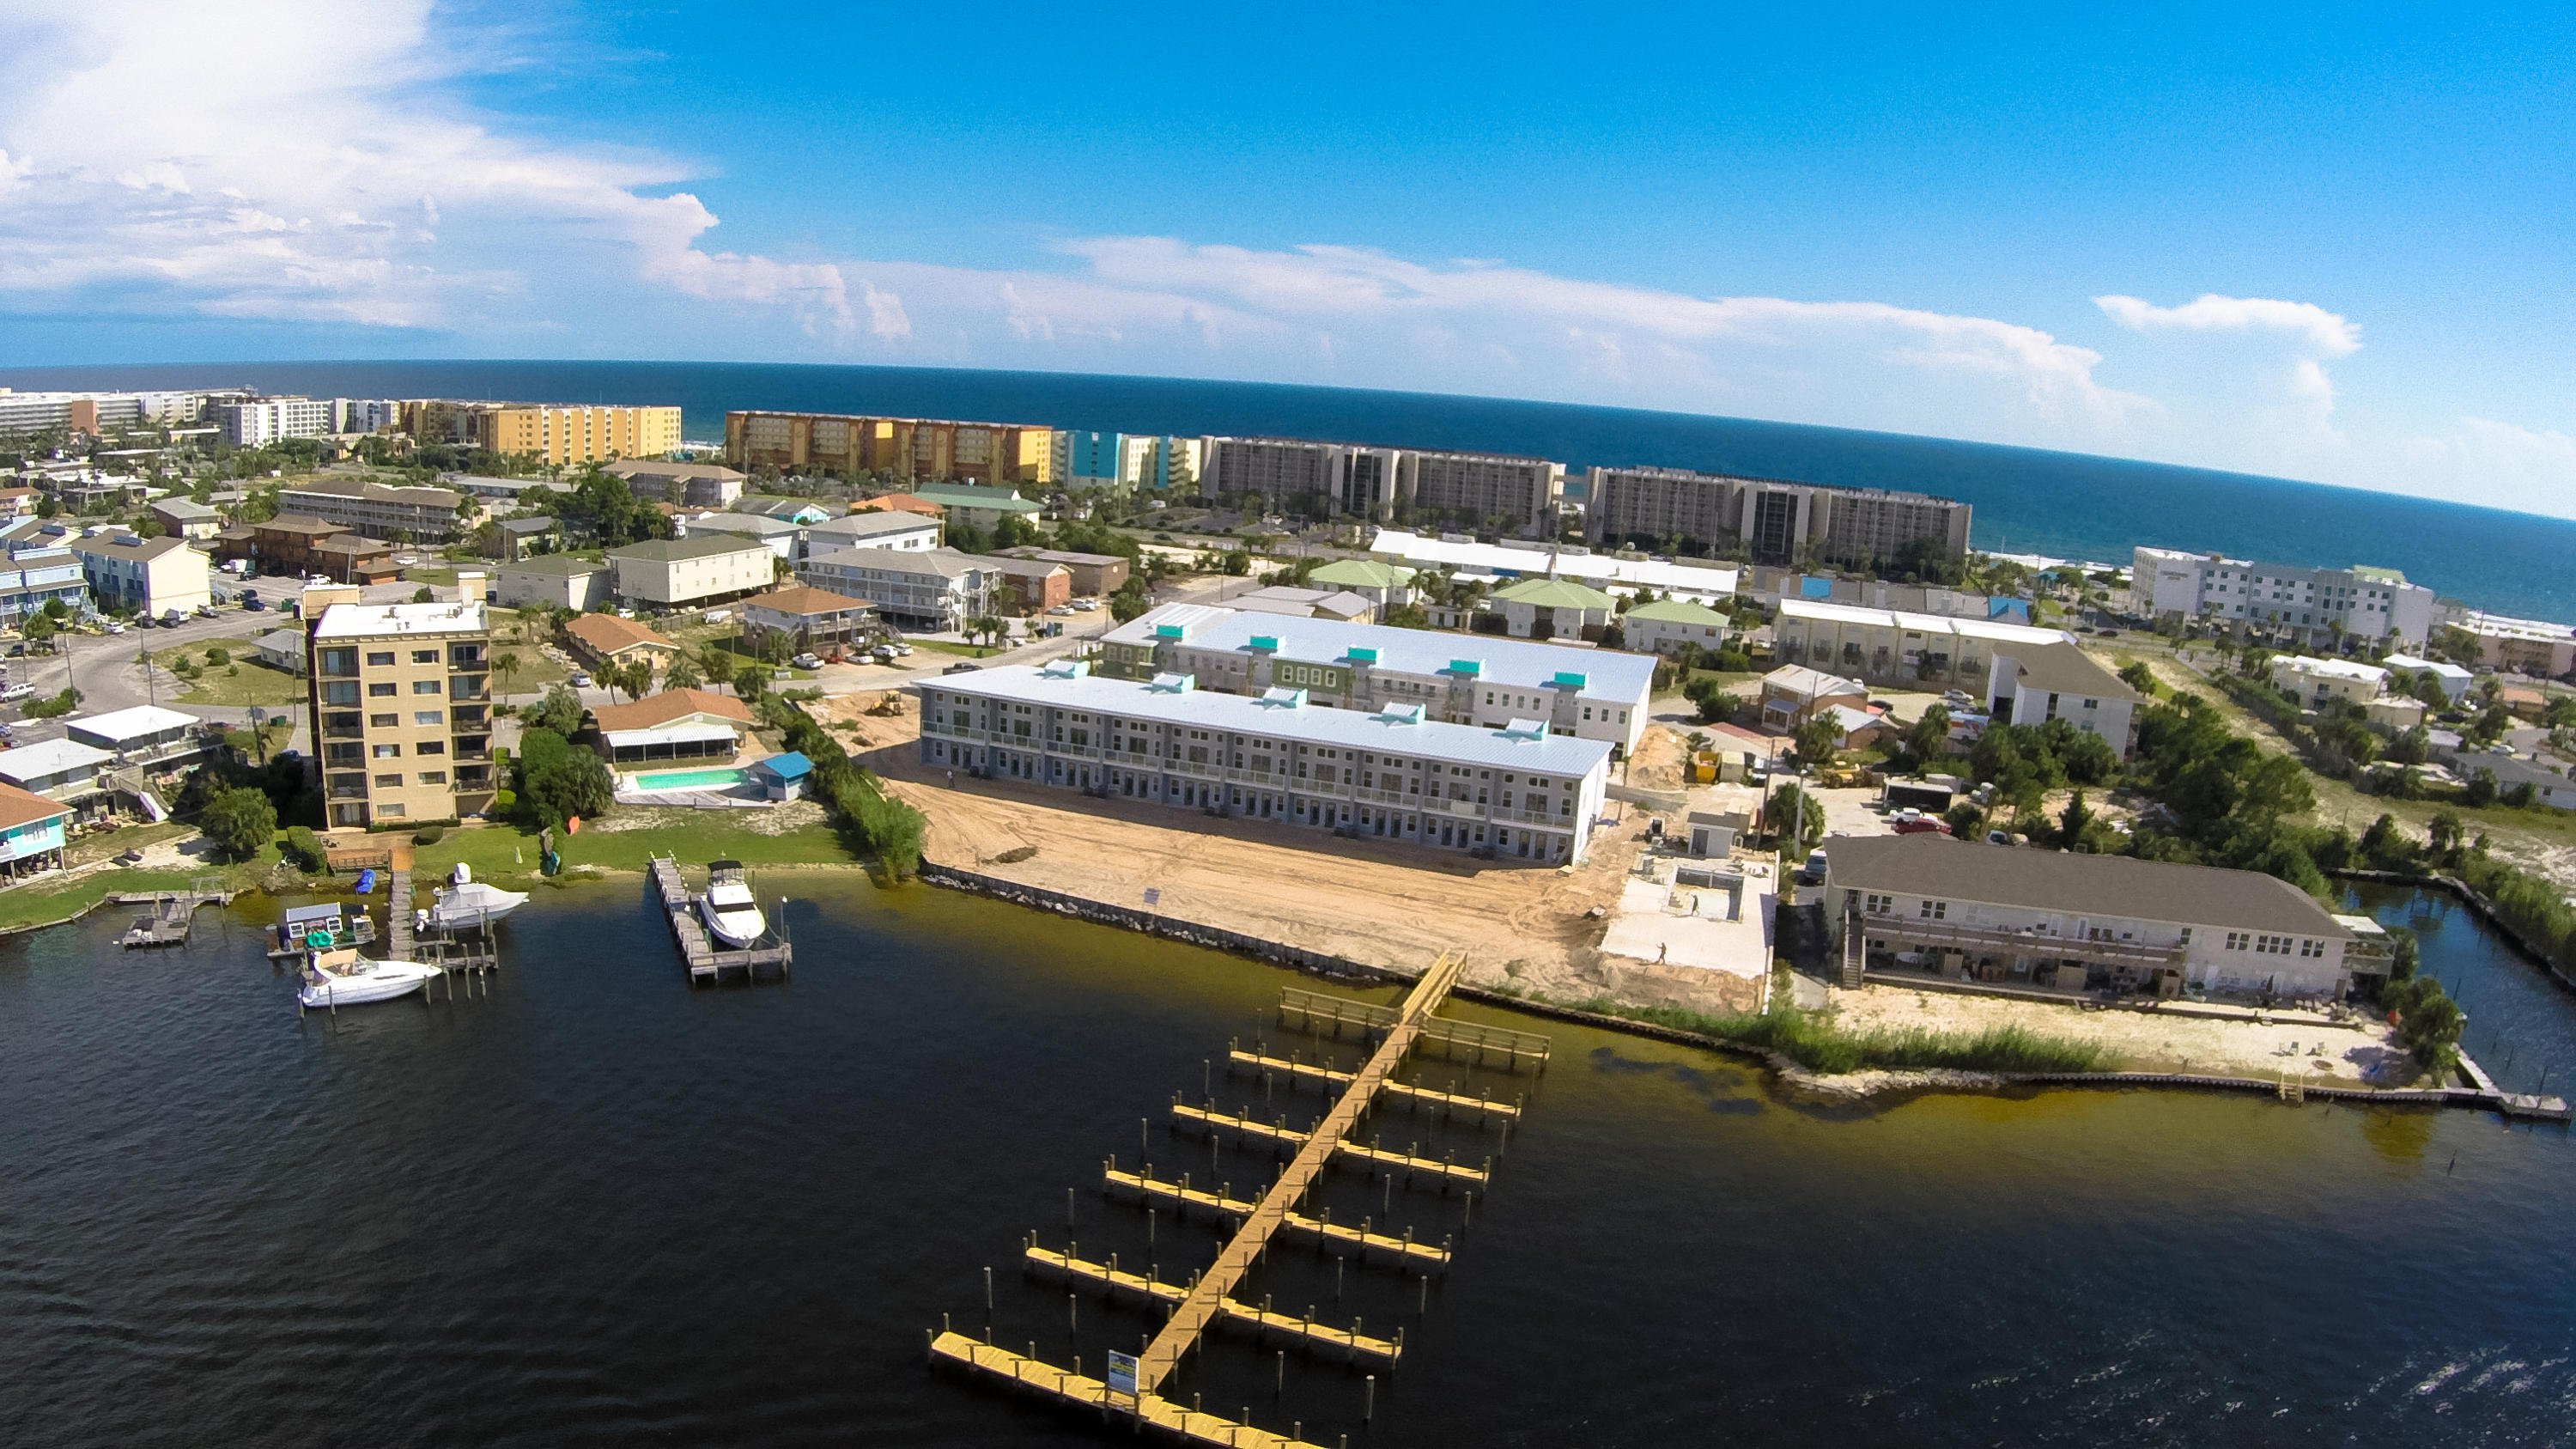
[(731, 912), (465, 901), (334, 978)]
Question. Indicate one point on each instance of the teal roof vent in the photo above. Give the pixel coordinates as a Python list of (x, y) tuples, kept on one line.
[(1265, 643), (1170, 631), (1358, 655), (1568, 679), (1468, 667)]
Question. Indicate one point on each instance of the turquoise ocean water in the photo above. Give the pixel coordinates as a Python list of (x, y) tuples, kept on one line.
[(2027, 500)]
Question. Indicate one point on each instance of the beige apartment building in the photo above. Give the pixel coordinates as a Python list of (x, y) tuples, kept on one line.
[(1767, 520), (911, 450), (401, 699), (561, 434), (428, 515), (677, 572)]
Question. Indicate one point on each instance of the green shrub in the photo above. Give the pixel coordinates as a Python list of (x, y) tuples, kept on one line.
[(1815, 1043), (218, 654), (429, 835), (302, 849), (503, 801)]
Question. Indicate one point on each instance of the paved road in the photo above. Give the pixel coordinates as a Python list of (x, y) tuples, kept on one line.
[(109, 674)]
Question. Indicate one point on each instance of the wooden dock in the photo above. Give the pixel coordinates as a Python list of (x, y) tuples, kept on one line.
[(1375, 1156), (1209, 1298), (174, 914), (1028, 1372), (1303, 1072), (1311, 1011), (705, 961), (1153, 1289), (1360, 1239)]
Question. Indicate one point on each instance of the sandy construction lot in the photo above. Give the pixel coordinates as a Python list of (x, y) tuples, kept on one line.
[(1377, 902), (2145, 1041)]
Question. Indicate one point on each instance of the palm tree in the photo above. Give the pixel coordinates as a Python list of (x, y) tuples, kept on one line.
[(717, 663), (683, 674), (505, 664), (985, 626)]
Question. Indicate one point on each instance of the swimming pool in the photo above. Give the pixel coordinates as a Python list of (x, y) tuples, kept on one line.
[(689, 780)]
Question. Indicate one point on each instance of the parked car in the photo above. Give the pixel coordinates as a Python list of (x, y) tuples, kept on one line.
[(253, 602), (1921, 825), (1086, 605), (883, 654), (580, 679), (806, 661), (1813, 872), (205, 611), (172, 618), (11, 694), (899, 647), (1061, 609), (1998, 837), (114, 627), (962, 666)]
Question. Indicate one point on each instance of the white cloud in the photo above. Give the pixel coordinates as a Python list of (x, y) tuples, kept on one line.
[(156, 159), (2324, 332)]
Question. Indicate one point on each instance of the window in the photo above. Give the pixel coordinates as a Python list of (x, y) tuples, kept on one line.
[(380, 691), (423, 686), (378, 657), (424, 656), (433, 777), (428, 716), (1935, 910), (2236, 940), (385, 752), (1877, 905), (339, 661), (389, 781), (2312, 949)]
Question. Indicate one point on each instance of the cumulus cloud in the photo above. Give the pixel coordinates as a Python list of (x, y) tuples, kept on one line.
[(2322, 331), (155, 159)]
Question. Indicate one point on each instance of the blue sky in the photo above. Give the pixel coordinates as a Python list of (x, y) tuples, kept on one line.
[(2330, 243)]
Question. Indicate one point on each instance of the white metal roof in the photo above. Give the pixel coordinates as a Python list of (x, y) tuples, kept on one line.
[(2352, 669), (1921, 623), (1608, 674), (51, 757), (131, 724), (1309, 723), (367, 621), (676, 734), (1539, 561)]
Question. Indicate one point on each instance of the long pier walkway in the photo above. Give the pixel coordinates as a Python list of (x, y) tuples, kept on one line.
[(705, 961), (1207, 1297)]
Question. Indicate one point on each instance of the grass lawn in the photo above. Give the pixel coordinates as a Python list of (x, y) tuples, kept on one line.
[(444, 578), (245, 681), (108, 843), (1728, 679), (943, 646), (52, 900), (536, 670), (502, 853)]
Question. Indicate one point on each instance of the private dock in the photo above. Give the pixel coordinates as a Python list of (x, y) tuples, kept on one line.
[(172, 917), (1133, 1387), (706, 962)]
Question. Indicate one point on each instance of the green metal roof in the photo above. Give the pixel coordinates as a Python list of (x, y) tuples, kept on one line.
[(1359, 573), (1677, 611), (1001, 500), (1553, 594)]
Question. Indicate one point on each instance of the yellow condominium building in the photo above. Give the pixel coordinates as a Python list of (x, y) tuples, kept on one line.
[(909, 450), (557, 433), (402, 706)]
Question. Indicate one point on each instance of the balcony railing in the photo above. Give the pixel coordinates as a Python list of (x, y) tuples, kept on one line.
[(1915, 931), (1384, 797), (1463, 809), (1193, 769)]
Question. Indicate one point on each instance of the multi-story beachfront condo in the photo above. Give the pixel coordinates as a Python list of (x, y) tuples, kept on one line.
[(424, 514), (1469, 679), (1473, 487), (558, 433), (1517, 792), (88, 412), (1347, 478), (269, 420), (927, 589), (2316, 607), (1374, 482), (2520, 646), (402, 704), (1771, 521), (912, 450), (2080, 923)]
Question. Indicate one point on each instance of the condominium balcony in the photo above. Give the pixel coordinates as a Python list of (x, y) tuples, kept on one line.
[(1990, 940), (1194, 769), (1086, 752), (1463, 809), (1384, 797), (1274, 779)]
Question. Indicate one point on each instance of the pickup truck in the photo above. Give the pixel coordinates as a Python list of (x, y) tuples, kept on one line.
[(11, 694)]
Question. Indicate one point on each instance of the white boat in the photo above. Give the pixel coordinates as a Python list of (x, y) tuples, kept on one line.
[(731, 913), (345, 978), (466, 901)]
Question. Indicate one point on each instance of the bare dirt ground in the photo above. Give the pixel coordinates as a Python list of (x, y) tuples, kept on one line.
[(2150, 1041), (1376, 902)]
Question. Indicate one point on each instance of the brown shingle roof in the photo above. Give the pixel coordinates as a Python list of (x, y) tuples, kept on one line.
[(25, 807), (609, 634), (2120, 886), (801, 599), (670, 704)]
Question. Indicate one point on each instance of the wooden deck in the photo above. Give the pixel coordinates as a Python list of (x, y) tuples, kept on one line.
[(1488, 1045), (173, 915), (1306, 1330), (1303, 1072), (1375, 1156), (1360, 1239), (697, 950), (1028, 1372)]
